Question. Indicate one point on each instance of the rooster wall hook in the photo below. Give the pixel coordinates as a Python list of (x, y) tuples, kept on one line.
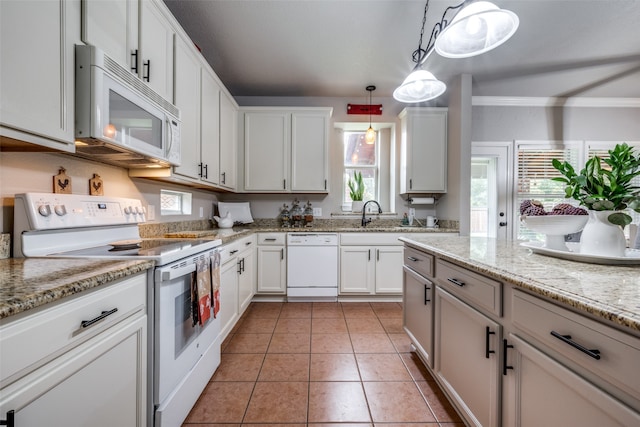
[(62, 182), (95, 186)]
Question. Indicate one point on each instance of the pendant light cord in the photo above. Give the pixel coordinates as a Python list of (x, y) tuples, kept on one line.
[(419, 53)]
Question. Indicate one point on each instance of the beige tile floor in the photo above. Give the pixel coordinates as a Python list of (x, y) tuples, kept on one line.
[(321, 364)]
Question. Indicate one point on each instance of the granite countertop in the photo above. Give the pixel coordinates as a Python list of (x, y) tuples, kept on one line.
[(27, 283), (611, 293)]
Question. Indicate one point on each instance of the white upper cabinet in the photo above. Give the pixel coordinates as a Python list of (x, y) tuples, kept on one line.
[(37, 72), (423, 162), (286, 150), (228, 141), (137, 33)]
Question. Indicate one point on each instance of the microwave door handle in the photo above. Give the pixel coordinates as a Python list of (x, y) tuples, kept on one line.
[(166, 274), (170, 133)]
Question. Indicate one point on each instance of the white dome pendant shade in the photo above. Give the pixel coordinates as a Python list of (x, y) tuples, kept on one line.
[(419, 86), (476, 29)]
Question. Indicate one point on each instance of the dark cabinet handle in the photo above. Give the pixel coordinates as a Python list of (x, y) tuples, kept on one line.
[(567, 339), (281, 254), (270, 239), (410, 184), (284, 184), (369, 255), (247, 243), (200, 170), (488, 334), (505, 347), (456, 281), (224, 177), (325, 184), (146, 64), (10, 421), (233, 252), (87, 323), (377, 254), (410, 258), (134, 61), (239, 264), (206, 171), (426, 288)]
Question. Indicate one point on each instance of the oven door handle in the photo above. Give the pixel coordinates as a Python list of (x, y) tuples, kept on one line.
[(167, 274)]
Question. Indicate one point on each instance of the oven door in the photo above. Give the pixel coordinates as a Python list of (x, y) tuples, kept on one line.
[(179, 344)]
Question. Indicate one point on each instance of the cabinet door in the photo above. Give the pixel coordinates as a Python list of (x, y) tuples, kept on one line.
[(188, 101), (228, 141), (418, 313), (37, 71), (210, 128), (228, 313), (466, 359), (272, 269), (538, 382), (309, 151), (101, 383), (112, 25), (424, 151), (357, 269), (389, 260), (156, 48), (267, 137), (247, 279)]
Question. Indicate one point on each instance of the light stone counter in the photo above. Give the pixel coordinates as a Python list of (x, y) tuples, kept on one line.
[(611, 293), (27, 283)]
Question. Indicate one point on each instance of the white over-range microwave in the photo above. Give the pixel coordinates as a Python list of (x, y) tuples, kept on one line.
[(119, 119)]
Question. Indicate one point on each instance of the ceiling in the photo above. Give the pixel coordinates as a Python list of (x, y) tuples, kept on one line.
[(335, 48)]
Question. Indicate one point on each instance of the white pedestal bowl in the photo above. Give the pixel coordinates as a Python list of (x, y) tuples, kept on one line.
[(555, 227)]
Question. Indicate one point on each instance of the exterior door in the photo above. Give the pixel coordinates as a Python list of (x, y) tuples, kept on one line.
[(492, 214)]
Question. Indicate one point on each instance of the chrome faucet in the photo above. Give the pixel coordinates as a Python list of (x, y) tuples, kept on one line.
[(366, 221)]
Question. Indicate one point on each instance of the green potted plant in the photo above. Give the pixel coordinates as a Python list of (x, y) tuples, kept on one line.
[(606, 192), (605, 189), (356, 191)]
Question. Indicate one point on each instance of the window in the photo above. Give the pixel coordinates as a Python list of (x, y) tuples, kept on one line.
[(360, 157), (175, 203), (534, 173)]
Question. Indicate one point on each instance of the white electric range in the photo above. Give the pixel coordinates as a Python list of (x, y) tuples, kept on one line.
[(183, 353)]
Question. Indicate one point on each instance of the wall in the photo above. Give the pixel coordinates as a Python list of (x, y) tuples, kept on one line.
[(33, 172)]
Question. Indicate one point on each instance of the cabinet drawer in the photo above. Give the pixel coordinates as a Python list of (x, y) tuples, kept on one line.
[(369, 239), (272, 238), (419, 261), (231, 250), (33, 340), (476, 289), (618, 353)]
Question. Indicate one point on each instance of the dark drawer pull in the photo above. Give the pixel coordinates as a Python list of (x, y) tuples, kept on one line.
[(456, 281), (410, 258), (233, 252), (567, 339), (10, 421), (87, 323), (505, 347), (270, 239), (488, 334)]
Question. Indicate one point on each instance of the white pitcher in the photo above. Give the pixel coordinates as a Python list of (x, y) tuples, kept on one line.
[(224, 222)]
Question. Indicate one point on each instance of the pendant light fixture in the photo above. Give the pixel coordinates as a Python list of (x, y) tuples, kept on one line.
[(478, 27), (370, 136)]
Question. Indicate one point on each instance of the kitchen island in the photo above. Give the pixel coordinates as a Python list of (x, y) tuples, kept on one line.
[(518, 338)]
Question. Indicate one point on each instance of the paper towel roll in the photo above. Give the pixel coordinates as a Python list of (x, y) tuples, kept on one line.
[(422, 200)]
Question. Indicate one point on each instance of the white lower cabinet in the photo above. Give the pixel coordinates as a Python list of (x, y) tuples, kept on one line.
[(237, 281), (370, 263), (272, 263), (93, 375), (539, 391), (466, 358)]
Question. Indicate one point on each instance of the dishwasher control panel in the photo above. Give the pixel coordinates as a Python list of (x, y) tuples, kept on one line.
[(312, 239)]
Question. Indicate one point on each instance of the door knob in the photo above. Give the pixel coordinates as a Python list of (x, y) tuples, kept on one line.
[(502, 224)]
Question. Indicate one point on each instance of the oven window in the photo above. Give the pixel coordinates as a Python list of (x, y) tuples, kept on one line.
[(133, 122), (184, 330)]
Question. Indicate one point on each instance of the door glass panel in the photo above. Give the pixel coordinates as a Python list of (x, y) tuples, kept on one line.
[(483, 197), (184, 329)]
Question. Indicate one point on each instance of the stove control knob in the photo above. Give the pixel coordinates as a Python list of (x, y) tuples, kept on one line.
[(44, 210), (60, 210), (139, 210), (128, 210)]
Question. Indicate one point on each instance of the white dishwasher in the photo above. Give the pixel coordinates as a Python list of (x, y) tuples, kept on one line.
[(312, 267)]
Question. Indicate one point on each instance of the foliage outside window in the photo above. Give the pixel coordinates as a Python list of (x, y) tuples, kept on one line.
[(362, 158)]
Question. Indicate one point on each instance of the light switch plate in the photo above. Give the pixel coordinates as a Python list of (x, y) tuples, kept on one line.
[(201, 212), (151, 212), (317, 211)]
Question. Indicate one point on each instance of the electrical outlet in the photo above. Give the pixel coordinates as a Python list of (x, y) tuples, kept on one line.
[(317, 211), (201, 212), (151, 212), (412, 212)]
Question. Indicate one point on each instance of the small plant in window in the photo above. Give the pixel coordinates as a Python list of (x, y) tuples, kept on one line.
[(356, 187), (605, 188)]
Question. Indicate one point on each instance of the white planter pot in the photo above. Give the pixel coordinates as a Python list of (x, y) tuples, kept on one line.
[(356, 206), (600, 237)]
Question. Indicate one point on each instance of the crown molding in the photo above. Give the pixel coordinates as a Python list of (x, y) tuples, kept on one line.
[(518, 101)]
